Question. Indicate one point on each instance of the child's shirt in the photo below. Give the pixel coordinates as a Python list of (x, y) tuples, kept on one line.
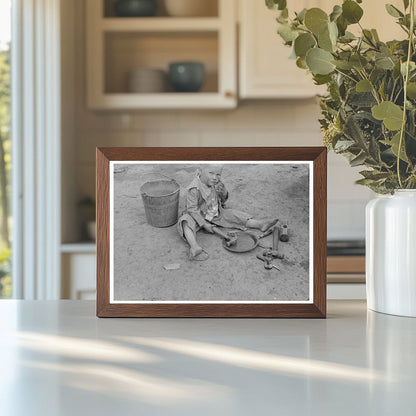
[(213, 210), (203, 202)]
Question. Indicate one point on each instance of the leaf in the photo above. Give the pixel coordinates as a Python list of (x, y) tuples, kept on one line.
[(384, 62), (321, 79), (411, 90), (358, 61), (347, 37), (363, 86), (343, 145), (351, 11), (301, 63), (358, 160), (342, 25), (394, 145), (319, 61), (353, 131), (345, 65), (391, 114), (292, 52), (393, 11), (374, 174), (301, 15), (276, 4), (375, 35), (374, 150), (333, 32), (362, 99), (303, 43), (406, 4), (316, 20), (287, 33), (365, 182), (336, 12), (325, 42), (412, 67)]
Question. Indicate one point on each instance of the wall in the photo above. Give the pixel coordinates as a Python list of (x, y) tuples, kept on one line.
[(253, 123)]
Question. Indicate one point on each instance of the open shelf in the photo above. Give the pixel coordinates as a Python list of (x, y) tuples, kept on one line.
[(116, 46), (210, 9), (126, 51), (160, 24)]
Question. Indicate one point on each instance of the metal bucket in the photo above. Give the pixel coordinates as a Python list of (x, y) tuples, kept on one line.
[(161, 202)]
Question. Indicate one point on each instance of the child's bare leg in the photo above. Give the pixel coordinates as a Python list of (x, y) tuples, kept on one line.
[(190, 238), (260, 225)]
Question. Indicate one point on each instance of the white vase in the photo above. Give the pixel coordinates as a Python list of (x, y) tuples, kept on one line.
[(391, 253)]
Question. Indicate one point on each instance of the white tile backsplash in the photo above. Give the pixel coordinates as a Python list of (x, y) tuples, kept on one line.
[(257, 123)]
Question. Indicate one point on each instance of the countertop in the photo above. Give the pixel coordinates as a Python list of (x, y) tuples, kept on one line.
[(57, 358)]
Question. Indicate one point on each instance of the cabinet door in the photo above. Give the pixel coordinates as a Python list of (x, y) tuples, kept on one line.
[(265, 68), (266, 71), (78, 276)]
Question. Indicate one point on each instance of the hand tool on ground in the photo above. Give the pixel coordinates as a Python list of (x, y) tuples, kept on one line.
[(284, 232), (275, 249), (265, 234), (267, 262), (229, 238)]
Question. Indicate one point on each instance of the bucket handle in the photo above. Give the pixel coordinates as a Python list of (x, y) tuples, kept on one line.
[(162, 176)]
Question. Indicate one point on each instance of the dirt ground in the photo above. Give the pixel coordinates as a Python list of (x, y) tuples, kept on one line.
[(264, 191)]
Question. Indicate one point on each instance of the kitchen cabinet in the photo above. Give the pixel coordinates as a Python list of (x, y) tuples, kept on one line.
[(118, 45), (346, 278), (265, 70), (78, 263)]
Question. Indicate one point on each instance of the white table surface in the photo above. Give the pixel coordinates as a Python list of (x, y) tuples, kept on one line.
[(57, 358)]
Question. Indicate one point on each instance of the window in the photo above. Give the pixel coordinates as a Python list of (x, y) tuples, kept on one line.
[(5, 147)]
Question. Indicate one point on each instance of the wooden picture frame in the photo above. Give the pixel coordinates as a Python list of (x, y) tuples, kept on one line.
[(120, 232)]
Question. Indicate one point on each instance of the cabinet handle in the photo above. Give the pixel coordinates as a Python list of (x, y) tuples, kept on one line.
[(229, 94)]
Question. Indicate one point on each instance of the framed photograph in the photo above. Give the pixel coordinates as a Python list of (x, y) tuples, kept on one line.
[(211, 232)]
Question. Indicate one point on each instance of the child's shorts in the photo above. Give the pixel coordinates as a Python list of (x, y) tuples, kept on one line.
[(229, 218)]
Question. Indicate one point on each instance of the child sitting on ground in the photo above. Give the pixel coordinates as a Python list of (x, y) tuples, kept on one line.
[(205, 208)]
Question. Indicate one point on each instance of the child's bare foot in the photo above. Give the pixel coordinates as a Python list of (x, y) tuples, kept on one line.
[(195, 251), (261, 225), (268, 223), (198, 253)]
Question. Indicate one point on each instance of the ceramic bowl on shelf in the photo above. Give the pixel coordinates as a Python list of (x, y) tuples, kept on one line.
[(147, 80), (191, 8), (135, 8), (186, 76)]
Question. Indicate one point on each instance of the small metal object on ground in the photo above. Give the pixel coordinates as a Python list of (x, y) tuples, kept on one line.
[(229, 238), (245, 242), (284, 233), (275, 250), (267, 262)]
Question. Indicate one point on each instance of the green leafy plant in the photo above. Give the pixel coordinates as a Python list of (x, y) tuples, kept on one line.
[(369, 112)]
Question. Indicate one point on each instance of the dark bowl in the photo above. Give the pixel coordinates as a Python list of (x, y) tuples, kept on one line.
[(186, 76), (135, 8)]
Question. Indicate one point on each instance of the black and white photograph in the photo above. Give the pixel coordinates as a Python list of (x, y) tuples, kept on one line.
[(211, 232)]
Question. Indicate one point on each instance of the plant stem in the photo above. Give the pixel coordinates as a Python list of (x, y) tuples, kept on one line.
[(346, 75), (406, 79)]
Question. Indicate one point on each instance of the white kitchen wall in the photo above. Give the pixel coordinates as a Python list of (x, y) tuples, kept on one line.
[(253, 123), (270, 123)]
